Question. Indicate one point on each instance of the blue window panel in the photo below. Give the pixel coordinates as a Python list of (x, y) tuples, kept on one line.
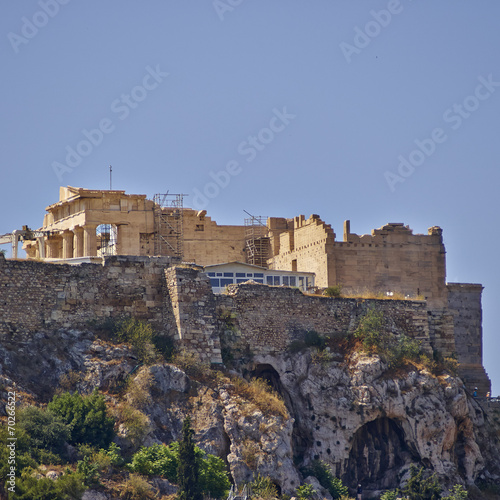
[(269, 280), (276, 280), (226, 281), (257, 280), (214, 282), (249, 275), (228, 275), (211, 274), (293, 281), (259, 275), (219, 274), (286, 281), (240, 275)]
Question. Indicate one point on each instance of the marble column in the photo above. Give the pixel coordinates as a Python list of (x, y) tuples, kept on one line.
[(89, 240), (78, 242), (67, 249)]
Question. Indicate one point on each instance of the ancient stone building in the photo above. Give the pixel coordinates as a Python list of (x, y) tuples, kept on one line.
[(86, 224), (391, 259), (94, 223)]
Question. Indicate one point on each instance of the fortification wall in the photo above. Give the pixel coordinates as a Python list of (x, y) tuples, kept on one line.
[(307, 245), (391, 259), (37, 296), (465, 307), (394, 259), (267, 318), (193, 306), (205, 242)]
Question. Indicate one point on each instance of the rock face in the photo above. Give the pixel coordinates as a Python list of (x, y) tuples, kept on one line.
[(370, 426), (367, 423)]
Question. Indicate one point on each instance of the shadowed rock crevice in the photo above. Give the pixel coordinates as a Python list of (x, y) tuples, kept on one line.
[(378, 452)]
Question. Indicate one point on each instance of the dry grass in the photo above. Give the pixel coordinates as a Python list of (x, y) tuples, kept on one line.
[(137, 488), (366, 293), (261, 395), (249, 453), (378, 295), (138, 389), (137, 423)]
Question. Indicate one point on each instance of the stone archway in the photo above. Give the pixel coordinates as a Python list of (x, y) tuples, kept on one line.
[(378, 452)]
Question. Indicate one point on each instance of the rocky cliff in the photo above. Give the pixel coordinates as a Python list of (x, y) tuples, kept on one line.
[(347, 409)]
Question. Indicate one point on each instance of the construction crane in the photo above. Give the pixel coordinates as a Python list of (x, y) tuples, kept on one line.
[(24, 234)]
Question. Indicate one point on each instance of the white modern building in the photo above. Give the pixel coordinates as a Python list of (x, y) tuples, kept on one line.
[(228, 273)]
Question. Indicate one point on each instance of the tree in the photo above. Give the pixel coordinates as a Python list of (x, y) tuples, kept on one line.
[(419, 488), (86, 417), (188, 469), (458, 492), (323, 473), (161, 460), (45, 431)]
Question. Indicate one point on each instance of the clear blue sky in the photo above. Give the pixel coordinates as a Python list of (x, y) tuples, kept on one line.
[(310, 106)]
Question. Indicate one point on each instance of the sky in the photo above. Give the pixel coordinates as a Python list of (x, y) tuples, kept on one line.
[(367, 110)]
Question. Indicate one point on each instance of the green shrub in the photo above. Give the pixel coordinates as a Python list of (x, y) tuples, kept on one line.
[(323, 473), (68, 487), (333, 291), (296, 346), (458, 492), (395, 350), (89, 471), (263, 488), (370, 330), (140, 335), (161, 460), (322, 358), (45, 429), (390, 495), (114, 453), (164, 346), (86, 417), (419, 488), (306, 492), (401, 349), (314, 339)]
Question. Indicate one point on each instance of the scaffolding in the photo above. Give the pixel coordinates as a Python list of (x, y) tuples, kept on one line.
[(256, 240), (168, 237)]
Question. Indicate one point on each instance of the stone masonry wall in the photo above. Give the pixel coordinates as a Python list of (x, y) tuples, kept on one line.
[(178, 301), (37, 296), (464, 301), (193, 305), (269, 318)]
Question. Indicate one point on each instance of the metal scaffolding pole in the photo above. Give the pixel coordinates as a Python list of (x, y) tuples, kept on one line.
[(256, 240), (168, 219)]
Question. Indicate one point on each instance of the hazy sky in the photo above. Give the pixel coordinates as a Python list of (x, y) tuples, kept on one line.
[(373, 111)]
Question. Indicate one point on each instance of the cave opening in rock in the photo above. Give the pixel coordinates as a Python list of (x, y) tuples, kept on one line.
[(271, 376), (301, 435), (378, 452)]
